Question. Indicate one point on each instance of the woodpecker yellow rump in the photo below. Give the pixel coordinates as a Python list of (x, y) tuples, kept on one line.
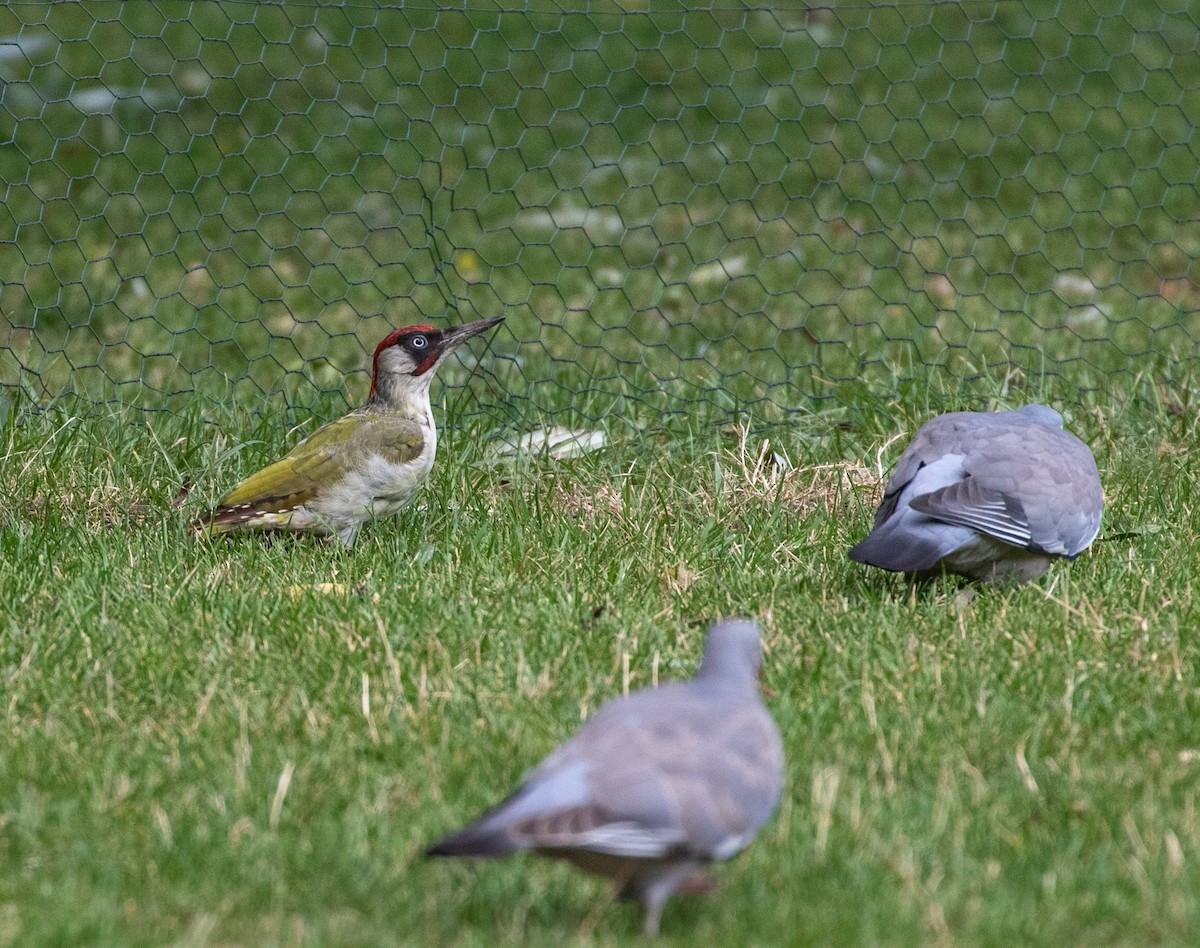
[(364, 466)]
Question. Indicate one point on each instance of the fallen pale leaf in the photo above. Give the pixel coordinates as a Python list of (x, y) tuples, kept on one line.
[(556, 442)]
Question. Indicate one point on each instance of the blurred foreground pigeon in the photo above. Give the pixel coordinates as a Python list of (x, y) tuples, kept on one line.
[(990, 495), (654, 786)]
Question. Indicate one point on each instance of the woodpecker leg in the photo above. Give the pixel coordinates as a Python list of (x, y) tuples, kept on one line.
[(346, 535)]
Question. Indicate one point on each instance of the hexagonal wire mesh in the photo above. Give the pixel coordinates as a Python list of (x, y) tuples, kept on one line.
[(737, 205)]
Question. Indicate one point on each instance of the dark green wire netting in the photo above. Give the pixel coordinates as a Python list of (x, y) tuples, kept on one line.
[(735, 206)]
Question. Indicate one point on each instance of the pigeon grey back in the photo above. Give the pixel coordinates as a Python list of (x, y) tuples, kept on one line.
[(991, 495), (655, 785)]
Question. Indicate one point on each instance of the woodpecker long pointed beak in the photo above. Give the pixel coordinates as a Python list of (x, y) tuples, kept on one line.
[(455, 336)]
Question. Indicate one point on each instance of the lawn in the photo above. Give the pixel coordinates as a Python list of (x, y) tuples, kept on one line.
[(757, 247), (248, 742)]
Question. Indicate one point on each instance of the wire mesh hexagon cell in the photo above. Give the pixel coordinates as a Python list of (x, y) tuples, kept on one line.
[(736, 205)]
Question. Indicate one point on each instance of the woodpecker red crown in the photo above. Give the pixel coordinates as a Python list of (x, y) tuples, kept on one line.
[(391, 339)]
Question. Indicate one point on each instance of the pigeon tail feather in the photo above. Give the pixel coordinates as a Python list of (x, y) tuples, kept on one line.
[(473, 841), (900, 551)]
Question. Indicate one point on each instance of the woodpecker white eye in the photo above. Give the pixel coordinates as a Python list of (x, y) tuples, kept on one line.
[(418, 342)]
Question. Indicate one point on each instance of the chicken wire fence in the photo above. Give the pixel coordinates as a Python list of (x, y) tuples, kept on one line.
[(738, 205)]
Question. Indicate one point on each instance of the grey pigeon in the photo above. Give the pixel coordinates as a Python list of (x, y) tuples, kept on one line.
[(654, 786), (989, 495)]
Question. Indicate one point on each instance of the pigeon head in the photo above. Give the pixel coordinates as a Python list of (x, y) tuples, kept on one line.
[(731, 652)]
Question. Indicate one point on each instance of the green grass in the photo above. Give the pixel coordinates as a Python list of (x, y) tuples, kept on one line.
[(1019, 769)]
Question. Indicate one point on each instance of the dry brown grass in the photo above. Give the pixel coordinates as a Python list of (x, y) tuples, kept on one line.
[(588, 501), (749, 477), (755, 474), (91, 506)]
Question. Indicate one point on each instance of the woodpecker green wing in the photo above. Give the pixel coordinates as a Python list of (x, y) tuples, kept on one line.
[(319, 462)]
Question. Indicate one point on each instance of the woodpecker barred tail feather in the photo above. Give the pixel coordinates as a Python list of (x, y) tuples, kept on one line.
[(368, 464)]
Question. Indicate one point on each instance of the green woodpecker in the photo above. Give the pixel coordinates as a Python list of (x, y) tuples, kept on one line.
[(366, 465)]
